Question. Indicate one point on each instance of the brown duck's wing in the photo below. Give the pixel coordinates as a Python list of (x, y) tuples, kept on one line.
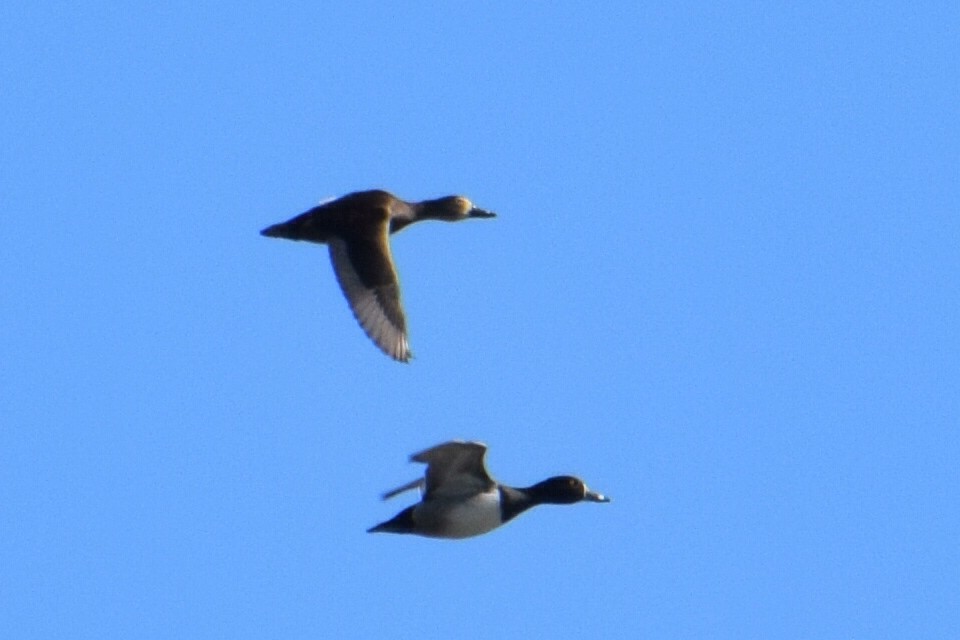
[(366, 274), (455, 469)]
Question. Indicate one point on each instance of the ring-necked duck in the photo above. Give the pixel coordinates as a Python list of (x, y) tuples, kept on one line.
[(460, 499), (357, 228)]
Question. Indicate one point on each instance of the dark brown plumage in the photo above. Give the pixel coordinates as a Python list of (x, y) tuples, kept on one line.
[(357, 227)]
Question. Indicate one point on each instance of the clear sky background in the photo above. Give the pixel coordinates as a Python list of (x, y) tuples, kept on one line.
[(722, 288)]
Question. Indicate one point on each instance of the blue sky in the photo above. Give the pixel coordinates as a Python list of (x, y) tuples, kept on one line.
[(722, 288)]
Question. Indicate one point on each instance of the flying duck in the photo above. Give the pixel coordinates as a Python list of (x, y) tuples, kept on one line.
[(356, 227), (461, 500)]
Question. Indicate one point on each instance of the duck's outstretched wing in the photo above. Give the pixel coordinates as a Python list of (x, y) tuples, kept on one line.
[(454, 469), (369, 281)]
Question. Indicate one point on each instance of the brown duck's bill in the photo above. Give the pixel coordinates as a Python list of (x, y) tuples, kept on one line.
[(477, 212)]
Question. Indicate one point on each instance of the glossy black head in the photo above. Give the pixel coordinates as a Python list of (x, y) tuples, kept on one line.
[(563, 490), (453, 208)]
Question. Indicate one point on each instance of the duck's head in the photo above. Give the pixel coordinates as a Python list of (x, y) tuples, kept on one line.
[(453, 208), (564, 490)]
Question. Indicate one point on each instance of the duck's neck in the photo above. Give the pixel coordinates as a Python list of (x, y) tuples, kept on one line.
[(402, 214), (408, 213), (431, 210), (513, 502)]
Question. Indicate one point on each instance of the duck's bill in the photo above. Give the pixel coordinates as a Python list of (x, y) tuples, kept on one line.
[(477, 212), (593, 496)]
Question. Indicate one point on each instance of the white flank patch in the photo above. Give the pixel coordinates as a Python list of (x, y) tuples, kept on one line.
[(472, 517)]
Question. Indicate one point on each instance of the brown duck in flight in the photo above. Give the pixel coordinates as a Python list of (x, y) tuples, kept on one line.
[(357, 227)]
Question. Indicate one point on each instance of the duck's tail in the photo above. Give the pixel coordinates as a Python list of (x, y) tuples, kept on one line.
[(282, 230), (400, 523)]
